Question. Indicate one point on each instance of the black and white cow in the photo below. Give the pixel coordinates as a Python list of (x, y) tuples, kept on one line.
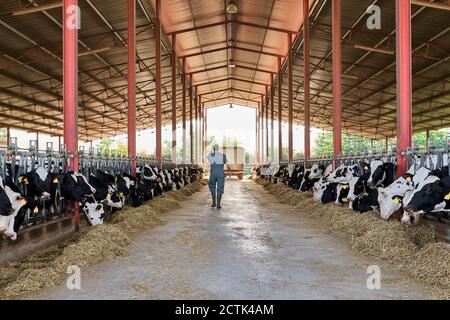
[(431, 195), (10, 204), (311, 176)]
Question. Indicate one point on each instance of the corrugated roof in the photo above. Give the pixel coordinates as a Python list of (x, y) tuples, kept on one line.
[(31, 65)]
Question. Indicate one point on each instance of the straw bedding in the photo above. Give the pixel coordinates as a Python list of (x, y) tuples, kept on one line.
[(92, 245), (411, 249)]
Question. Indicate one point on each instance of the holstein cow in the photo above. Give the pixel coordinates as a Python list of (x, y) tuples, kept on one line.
[(337, 187), (358, 185), (392, 197), (10, 204), (381, 175), (320, 186), (311, 176), (429, 196)]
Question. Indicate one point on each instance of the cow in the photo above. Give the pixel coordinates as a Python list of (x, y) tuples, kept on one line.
[(429, 196), (391, 198), (320, 186), (310, 177), (11, 203), (382, 173)]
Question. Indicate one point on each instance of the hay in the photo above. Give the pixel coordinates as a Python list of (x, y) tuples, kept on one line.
[(408, 248), (91, 246), (431, 265)]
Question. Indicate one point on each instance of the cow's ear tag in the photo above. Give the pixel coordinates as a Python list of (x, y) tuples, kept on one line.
[(20, 179), (25, 180), (36, 210), (447, 197), (55, 180), (108, 197), (408, 179), (366, 168), (396, 200)]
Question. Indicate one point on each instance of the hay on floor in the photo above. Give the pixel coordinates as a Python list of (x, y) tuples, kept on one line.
[(412, 249), (93, 245)]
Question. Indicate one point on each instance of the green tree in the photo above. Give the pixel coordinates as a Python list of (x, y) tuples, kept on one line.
[(105, 146), (231, 142)]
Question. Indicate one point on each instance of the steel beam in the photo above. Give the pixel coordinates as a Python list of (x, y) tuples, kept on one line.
[(70, 82), (404, 81), (174, 100), (229, 78), (290, 103), (272, 117), (190, 55), (220, 23), (280, 112), (157, 31), (306, 81), (337, 77), (183, 101), (191, 118), (236, 67), (266, 102), (132, 84)]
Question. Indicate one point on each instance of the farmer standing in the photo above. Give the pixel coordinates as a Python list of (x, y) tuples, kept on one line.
[(216, 184)]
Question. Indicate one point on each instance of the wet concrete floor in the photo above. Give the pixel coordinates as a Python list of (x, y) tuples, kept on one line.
[(254, 248)]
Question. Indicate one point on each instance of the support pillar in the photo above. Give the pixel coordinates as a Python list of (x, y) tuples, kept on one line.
[(337, 70), (306, 75), (158, 80), (183, 97), (257, 134), (191, 118), (262, 135), (280, 112), (70, 83), (404, 81), (132, 84), (266, 102), (174, 99), (272, 117), (290, 103)]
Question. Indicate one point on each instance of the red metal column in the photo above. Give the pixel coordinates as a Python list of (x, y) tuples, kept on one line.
[(191, 125), (272, 117), (280, 112), (337, 107), (174, 100), (183, 80), (132, 84), (201, 125), (404, 79), (257, 135), (306, 75), (290, 103), (195, 125), (262, 130), (70, 82), (206, 132), (267, 123), (158, 80)]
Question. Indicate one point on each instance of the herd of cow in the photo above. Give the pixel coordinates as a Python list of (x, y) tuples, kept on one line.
[(40, 192), (372, 185)]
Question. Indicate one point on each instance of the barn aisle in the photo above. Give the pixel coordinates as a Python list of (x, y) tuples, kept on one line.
[(254, 248)]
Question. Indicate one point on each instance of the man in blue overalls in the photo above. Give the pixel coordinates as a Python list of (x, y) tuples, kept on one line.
[(217, 161)]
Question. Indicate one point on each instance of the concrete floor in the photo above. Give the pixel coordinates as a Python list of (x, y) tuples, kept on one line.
[(254, 248)]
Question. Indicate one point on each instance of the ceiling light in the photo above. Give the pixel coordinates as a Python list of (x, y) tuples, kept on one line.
[(232, 8)]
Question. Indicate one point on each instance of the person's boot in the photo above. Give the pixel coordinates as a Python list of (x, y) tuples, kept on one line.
[(213, 200), (219, 198)]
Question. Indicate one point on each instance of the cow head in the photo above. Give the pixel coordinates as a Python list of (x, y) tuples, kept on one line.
[(315, 172), (378, 174), (94, 211), (390, 198), (433, 194)]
